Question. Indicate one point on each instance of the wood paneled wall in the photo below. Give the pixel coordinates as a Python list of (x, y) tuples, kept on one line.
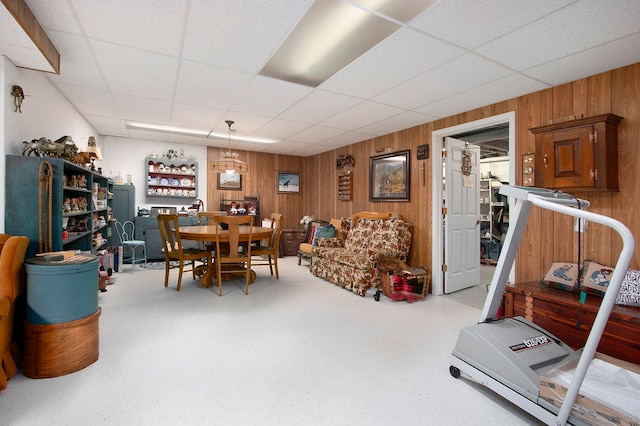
[(548, 235), (261, 181)]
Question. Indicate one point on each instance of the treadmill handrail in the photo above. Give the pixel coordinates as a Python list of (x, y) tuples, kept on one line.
[(608, 302), (566, 204)]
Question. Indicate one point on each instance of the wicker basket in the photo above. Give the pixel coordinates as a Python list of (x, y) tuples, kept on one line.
[(409, 285)]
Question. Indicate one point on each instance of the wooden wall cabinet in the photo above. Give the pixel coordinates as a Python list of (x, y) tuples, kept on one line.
[(171, 178), (345, 186), (579, 154), (561, 314)]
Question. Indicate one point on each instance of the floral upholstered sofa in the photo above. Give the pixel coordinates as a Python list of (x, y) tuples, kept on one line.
[(350, 260)]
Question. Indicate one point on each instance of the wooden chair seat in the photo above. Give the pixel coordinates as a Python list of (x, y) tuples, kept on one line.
[(173, 249)]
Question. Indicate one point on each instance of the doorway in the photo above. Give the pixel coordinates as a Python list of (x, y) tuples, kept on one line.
[(503, 123)]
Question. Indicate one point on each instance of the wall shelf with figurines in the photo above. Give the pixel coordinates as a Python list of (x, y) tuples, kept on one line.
[(175, 177)]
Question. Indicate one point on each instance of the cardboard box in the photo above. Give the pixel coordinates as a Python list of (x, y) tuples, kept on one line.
[(609, 394)]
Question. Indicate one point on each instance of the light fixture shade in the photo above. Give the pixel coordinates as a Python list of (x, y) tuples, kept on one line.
[(229, 163), (95, 150)]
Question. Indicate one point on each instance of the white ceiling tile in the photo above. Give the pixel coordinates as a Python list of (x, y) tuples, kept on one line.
[(403, 120), (90, 101), (472, 23), (457, 75), (615, 54), (318, 106), (315, 134), (210, 86), (195, 117), (281, 129), (239, 35), (140, 24), (538, 42), (55, 15), (142, 109), (361, 115), (108, 125), (269, 97), (401, 57), (135, 72), (78, 66), (345, 139), (498, 90)]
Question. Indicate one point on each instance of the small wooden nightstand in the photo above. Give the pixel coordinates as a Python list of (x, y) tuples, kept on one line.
[(290, 241)]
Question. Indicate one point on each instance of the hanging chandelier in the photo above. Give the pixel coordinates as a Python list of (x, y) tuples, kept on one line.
[(229, 162)]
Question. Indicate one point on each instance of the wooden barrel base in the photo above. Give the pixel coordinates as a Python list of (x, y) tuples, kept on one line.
[(52, 350)]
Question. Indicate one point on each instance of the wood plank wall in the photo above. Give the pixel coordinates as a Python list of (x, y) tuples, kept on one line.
[(547, 234)]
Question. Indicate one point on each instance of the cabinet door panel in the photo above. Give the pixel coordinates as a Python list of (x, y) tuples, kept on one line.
[(568, 158)]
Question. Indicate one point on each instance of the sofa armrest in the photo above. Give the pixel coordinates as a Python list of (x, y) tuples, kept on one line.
[(5, 306)]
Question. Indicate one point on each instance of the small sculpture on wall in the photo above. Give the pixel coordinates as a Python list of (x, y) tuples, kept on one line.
[(18, 97)]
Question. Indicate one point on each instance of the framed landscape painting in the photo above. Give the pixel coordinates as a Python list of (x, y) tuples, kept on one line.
[(230, 181), (389, 177)]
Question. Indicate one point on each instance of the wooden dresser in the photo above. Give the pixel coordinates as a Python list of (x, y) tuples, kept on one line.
[(290, 241), (561, 313)]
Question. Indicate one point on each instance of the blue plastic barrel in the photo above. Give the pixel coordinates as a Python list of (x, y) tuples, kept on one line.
[(61, 291)]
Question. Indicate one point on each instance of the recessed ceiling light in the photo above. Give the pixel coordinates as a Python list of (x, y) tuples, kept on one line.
[(185, 131), (334, 33)]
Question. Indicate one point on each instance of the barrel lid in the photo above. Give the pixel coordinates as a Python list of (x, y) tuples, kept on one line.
[(54, 260)]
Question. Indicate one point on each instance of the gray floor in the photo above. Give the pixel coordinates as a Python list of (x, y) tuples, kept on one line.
[(295, 351)]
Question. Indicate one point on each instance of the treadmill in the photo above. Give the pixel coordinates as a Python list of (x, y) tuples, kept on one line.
[(509, 355)]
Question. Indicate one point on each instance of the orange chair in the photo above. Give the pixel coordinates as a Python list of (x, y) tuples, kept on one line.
[(12, 251)]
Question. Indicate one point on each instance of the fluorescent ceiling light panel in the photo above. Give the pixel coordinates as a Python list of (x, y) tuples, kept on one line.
[(333, 34), (184, 131)]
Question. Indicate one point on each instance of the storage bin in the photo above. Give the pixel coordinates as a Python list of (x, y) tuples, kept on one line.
[(61, 291), (405, 285)]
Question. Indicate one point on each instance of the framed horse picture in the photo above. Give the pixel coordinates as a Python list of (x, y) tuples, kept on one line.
[(288, 183)]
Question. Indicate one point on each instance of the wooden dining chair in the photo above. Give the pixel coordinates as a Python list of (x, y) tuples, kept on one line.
[(209, 218), (173, 249), (271, 250), (232, 258)]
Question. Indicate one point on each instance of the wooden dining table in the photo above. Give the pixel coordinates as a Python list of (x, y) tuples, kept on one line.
[(207, 234)]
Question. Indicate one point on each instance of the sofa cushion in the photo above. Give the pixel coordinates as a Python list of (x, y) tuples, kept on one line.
[(390, 237), (327, 231)]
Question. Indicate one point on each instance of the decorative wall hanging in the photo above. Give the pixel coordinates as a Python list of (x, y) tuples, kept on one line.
[(466, 162), (345, 160), (18, 97), (389, 177)]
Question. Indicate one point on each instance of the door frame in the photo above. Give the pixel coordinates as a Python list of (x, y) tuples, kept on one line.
[(437, 140)]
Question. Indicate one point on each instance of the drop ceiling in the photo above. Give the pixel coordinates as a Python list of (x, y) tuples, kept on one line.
[(196, 63)]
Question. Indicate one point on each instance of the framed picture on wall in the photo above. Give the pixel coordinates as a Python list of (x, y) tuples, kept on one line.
[(288, 183), (389, 177), (230, 181)]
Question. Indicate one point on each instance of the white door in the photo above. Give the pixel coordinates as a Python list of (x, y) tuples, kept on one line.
[(462, 203)]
